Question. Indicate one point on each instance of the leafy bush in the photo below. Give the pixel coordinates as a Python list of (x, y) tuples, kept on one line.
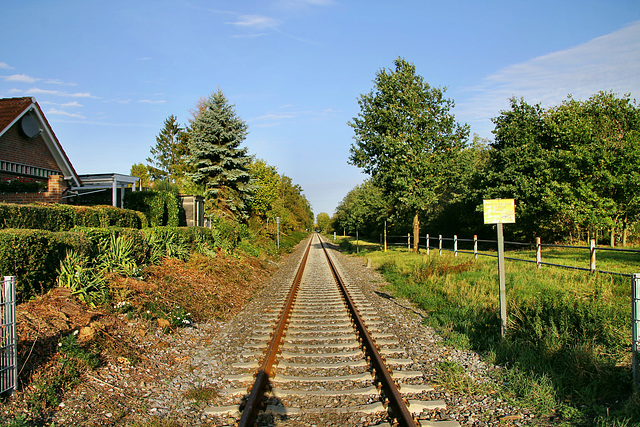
[(161, 208), (54, 217), (37, 216), (33, 256), (77, 274)]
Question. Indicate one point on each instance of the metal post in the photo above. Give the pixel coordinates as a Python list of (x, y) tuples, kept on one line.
[(475, 246), (357, 240), (9, 334), (455, 245), (427, 244), (114, 193), (278, 231), (538, 253), (592, 256), (440, 244), (635, 310), (501, 275)]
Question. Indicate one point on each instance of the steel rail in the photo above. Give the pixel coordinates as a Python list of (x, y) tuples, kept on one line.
[(398, 405), (254, 401)]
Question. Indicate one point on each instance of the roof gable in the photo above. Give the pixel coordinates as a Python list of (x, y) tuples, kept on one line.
[(12, 109)]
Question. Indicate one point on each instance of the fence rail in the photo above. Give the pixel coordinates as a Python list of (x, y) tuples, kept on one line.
[(538, 245), (8, 338)]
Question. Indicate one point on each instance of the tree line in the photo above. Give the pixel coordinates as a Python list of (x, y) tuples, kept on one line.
[(206, 158), (573, 169)]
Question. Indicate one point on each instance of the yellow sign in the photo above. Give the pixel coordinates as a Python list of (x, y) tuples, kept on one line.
[(499, 211)]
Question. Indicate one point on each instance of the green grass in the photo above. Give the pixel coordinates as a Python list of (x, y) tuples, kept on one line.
[(567, 348)]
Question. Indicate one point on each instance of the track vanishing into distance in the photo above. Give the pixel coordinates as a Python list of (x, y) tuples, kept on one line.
[(324, 354)]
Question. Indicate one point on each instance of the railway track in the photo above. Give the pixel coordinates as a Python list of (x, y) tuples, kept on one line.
[(324, 355)]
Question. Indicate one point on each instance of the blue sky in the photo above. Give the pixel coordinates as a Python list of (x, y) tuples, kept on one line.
[(107, 74)]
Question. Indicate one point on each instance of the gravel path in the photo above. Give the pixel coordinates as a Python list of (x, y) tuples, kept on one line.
[(177, 384)]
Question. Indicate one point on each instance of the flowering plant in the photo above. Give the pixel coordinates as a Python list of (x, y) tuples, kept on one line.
[(20, 184)]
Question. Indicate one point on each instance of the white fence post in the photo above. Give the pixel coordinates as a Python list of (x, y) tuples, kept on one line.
[(592, 255), (635, 310), (440, 244), (538, 253), (409, 241), (427, 244), (475, 246), (455, 245)]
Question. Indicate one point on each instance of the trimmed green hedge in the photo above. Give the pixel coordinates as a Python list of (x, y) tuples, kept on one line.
[(162, 208), (53, 217), (33, 256)]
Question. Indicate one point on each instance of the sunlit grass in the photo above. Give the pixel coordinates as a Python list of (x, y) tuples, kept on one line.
[(567, 348)]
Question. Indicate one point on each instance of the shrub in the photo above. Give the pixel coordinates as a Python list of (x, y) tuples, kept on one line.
[(161, 208), (33, 256), (37, 216)]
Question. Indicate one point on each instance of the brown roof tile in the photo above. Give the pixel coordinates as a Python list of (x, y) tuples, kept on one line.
[(10, 108)]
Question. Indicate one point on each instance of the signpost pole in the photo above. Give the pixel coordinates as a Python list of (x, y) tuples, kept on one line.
[(501, 275), (278, 232)]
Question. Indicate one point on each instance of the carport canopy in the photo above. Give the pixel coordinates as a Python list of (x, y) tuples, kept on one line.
[(105, 181)]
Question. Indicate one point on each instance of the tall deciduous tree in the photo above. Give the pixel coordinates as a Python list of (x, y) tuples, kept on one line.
[(323, 222), (168, 157), (219, 164), (407, 139)]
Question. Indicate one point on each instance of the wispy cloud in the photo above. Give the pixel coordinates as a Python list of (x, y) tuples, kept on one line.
[(39, 91), (56, 112), (255, 22), (72, 104), (610, 62), (23, 78), (149, 101), (20, 78), (5, 66)]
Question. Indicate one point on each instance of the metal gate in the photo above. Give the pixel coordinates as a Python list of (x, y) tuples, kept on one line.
[(8, 339)]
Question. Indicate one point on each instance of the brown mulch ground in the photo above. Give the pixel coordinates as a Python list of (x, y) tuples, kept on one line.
[(206, 288)]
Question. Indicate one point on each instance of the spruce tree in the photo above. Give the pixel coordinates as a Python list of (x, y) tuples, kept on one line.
[(167, 160), (219, 165)]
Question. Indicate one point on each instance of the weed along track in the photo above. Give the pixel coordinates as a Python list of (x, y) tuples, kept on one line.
[(324, 359)]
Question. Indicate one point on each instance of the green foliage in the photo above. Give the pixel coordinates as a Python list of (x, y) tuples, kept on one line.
[(161, 208), (217, 162), (77, 274), (72, 360), (167, 242), (366, 207), (21, 185), (37, 216), (573, 169), (168, 157), (407, 139), (567, 339), (267, 184), (117, 256), (33, 257), (323, 222), (55, 217)]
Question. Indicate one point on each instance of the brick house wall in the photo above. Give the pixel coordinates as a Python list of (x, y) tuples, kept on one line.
[(57, 186), (15, 147)]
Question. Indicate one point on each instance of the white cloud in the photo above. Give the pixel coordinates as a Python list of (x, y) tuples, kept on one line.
[(20, 78), (255, 22), (610, 62), (5, 66), (149, 101), (72, 104), (38, 91), (53, 111)]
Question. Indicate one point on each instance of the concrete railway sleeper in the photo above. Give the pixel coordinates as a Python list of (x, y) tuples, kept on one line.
[(326, 354)]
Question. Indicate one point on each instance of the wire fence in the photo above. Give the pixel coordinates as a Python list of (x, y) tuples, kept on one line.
[(451, 244)]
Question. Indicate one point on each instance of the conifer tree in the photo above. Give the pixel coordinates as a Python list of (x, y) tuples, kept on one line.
[(167, 160), (219, 165)]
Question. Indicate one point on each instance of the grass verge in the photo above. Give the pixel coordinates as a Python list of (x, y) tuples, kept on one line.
[(567, 349)]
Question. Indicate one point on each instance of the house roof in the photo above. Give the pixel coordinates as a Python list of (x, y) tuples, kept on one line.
[(12, 109)]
